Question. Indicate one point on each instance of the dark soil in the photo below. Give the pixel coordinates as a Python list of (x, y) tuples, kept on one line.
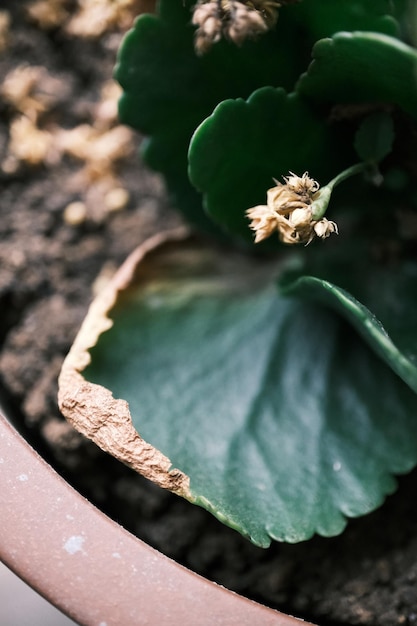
[(48, 264)]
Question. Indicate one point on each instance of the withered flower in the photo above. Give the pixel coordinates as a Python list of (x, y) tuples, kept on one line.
[(235, 20), (289, 212), (324, 228)]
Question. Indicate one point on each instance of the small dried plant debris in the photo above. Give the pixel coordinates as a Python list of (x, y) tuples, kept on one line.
[(106, 111), (94, 18), (98, 150), (4, 30), (89, 19), (75, 213), (31, 90), (48, 14), (36, 139), (116, 199), (28, 144)]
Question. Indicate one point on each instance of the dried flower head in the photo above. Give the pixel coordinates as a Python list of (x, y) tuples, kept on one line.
[(263, 221), (235, 20), (289, 212), (303, 186), (268, 9)]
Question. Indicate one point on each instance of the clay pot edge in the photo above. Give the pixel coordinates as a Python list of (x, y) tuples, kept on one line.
[(92, 569)]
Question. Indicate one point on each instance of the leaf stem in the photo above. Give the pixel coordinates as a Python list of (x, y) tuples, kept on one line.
[(322, 197), (350, 171)]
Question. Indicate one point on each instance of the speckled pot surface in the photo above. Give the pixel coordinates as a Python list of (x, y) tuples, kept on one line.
[(90, 567)]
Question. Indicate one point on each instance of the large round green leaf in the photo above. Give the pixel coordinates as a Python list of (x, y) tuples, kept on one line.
[(362, 67), (271, 405), (237, 152)]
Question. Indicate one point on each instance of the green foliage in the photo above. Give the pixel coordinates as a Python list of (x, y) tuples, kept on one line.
[(271, 405), (352, 68), (169, 90), (264, 385), (322, 18), (254, 142), (375, 137), (233, 162), (391, 294)]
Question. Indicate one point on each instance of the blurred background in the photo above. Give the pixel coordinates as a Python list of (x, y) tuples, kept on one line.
[(62, 180), (21, 606)]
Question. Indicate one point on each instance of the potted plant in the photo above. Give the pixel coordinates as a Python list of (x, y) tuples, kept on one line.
[(46, 524), (257, 368), (245, 386)]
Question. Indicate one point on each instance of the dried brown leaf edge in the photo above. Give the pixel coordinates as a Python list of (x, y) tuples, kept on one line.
[(90, 408)]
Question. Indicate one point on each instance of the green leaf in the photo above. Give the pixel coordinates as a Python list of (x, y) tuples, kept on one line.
[(168, 90), (375, 137), (362, 67), (271, 405), (401, 356), (326, 17), (237, 152)]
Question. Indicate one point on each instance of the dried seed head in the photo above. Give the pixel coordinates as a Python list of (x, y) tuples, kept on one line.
[(283, 200), (235, 20), (289, 212), (268, 9), (207, 16), (245, 23), (303, 186)]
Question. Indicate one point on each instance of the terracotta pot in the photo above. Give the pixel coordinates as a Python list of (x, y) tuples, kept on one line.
[(91, 568)]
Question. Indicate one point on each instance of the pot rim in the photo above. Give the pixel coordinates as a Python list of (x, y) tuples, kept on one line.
[(91, 568)]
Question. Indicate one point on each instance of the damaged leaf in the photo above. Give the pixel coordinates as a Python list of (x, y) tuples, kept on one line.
[(269, 406)]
